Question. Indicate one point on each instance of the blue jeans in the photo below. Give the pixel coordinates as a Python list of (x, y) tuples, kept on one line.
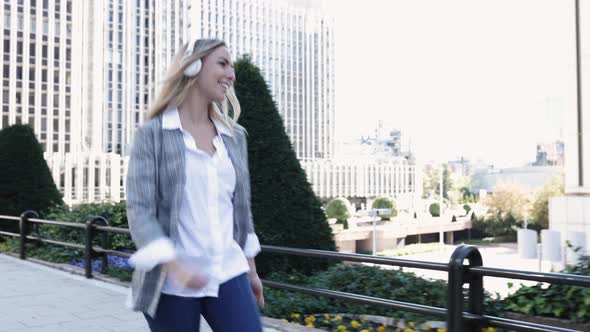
[(233, 310)]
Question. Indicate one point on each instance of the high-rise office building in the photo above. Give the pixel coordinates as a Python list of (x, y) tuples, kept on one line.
[(126, 47), (293, 43), (85, 83), (38, 61), (83, 73)]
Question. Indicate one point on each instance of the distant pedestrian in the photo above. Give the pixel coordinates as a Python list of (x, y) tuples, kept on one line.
[(188, 201)]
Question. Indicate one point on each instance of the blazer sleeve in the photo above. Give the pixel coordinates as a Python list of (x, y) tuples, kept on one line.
[(252, 245), (141, 190)]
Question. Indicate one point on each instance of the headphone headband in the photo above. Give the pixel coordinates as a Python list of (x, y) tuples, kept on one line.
[(194, 68)]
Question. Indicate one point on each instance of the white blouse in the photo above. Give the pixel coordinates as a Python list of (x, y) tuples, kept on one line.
[(205, 229)]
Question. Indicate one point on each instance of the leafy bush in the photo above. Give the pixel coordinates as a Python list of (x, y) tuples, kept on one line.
[(434, 210), (117, 267), (496, 226), (25, 180), (359, 279), (540, 207), (560, 301), (285, 210), (385, 202), (339, 208), (46, 252), (114, 213)]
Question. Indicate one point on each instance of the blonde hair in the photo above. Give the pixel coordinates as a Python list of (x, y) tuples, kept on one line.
[(176, 85)]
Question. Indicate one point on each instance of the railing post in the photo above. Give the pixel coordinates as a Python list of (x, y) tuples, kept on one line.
[(459, 275), (23, 226), (88, 252)]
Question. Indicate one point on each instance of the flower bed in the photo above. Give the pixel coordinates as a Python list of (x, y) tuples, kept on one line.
[(360, 323)]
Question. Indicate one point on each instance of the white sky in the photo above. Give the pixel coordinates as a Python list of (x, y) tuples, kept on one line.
[(483, 79)]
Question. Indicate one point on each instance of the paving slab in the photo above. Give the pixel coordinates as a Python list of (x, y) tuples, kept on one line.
[(39, 298)]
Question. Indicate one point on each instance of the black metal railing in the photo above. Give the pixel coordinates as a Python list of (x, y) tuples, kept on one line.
[(464, 267)]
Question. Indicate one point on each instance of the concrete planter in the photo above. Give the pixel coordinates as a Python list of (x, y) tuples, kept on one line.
[(584, 327)]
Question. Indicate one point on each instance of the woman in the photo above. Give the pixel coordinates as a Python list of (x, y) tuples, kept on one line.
[(188, 201)]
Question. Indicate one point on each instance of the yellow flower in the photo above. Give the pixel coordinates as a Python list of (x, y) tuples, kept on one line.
[(411, 324), (309, 319), (364, 320), (355, 324), (364, 330), (441, 330), (489, 329), (326, 316), (295, 316), (341, 328), (285, 320), (309, 325), (409, 330), (337, 318), (381, 328)]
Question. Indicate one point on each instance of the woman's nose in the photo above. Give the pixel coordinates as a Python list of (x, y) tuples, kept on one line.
[(231, 75)]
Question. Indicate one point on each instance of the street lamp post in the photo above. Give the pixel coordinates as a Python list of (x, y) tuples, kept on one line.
[(376, 213), (440, 204)]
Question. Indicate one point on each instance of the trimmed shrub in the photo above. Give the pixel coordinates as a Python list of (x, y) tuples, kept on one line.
[(339, 208), (434, 210), (285, 210), (385, 202), (25, 180)]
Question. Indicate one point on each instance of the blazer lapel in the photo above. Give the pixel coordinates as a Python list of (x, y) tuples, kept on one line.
[(173, 158)]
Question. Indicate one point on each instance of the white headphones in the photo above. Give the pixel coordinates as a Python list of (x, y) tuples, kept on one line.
[(194, 68)]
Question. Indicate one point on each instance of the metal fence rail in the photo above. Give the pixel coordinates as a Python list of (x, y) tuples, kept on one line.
[(464, 267)]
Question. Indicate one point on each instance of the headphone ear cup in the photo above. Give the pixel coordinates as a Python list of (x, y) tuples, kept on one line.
[(193, 69)]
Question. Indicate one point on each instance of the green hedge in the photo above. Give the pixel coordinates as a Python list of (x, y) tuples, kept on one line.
[(359, 279), (114, 213)]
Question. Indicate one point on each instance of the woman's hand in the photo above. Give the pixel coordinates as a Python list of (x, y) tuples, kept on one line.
[(257, 288), (184, 276)]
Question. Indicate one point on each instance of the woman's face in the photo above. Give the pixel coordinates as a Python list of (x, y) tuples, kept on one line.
[(217, 75)]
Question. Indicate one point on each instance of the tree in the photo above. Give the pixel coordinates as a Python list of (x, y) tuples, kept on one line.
[(540, 207), (339, 208), (25, 180), (385, 202), (285, 210), (507, 199), (431, 181)]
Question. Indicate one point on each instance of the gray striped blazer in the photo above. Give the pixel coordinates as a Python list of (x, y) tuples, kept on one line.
[(155, 184)]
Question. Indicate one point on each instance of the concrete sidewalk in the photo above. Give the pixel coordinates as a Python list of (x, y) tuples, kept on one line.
[(35, 298)]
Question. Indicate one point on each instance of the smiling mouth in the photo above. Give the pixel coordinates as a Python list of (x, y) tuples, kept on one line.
[(224, 85)]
